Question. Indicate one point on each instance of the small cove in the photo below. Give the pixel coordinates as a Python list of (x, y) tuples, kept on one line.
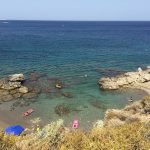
[(77, 54)]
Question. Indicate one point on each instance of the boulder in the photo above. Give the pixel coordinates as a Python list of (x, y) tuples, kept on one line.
[(23, 89), (7, 85), (16, 77)]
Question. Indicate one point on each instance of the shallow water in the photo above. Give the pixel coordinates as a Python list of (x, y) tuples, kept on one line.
[(77, 54)]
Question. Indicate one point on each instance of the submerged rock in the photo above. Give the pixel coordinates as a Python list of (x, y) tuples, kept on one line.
[(29, 95), (67, 94), (34, 76), (62, 110), (109, 72), (125, 80), (6, 98), (98, 104)]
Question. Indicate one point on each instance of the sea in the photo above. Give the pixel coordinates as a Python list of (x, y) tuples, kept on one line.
[(77, 54)]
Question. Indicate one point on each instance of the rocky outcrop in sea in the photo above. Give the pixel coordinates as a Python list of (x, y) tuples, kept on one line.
[(136, 111), (12, 88), (129, 79), (16, 87)]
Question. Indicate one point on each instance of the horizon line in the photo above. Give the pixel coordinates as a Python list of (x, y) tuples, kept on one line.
[(77, 20)]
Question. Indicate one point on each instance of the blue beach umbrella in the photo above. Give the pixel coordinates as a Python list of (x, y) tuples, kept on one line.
[(15, 130)]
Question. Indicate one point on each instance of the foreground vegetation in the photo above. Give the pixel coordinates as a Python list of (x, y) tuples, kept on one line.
[(133, 136)]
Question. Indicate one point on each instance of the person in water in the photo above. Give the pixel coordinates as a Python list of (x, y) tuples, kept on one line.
[(131, 99)]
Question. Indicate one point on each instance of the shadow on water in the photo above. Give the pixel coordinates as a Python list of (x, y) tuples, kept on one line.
[(98, 104), (110, 72)]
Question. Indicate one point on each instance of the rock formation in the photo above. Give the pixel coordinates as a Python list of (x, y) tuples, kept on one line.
[(16, 77), (23, 89), (12, 87), (129, 79), (137, 111)]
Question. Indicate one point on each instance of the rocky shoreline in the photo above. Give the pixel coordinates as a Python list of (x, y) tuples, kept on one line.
[(137, 80), (14, 87), (136, 111), (11, 87)]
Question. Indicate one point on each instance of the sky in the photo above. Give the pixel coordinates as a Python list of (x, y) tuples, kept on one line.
[(84, 10)]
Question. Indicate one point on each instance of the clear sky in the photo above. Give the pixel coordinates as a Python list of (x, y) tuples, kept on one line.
[(75, 9)]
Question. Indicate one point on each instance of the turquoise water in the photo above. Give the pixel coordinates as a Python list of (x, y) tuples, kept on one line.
[(77, 54)]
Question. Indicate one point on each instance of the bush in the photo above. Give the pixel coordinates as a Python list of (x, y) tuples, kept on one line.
[(126, 137), (133, 136), (7, 142)]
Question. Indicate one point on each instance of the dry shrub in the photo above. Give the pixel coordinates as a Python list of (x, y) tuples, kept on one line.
[(146, 102), (147, 98), (133, 136), (7, 142), (126, 137), (48, 138)]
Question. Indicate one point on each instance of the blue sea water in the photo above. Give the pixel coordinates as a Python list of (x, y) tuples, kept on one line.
[(78, 53)]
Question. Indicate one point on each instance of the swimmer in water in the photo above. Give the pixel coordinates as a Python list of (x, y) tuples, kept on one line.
[(131, 99), (85, 75)]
